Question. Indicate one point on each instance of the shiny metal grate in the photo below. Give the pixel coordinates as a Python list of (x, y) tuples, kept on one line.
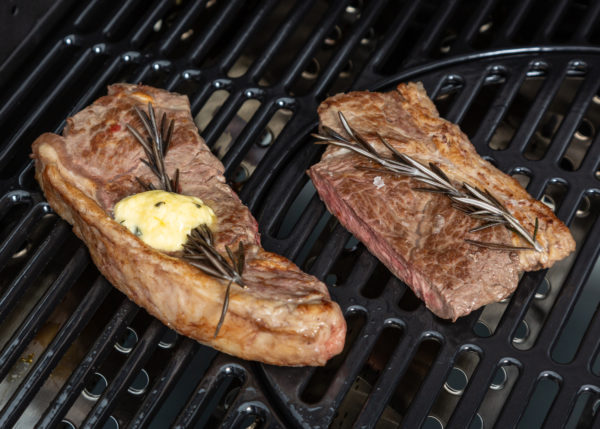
[(520, 77)]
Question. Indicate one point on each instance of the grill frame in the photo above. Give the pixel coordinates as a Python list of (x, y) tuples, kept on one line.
[(287, 158)]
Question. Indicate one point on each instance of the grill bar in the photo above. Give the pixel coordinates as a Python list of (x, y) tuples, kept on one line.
[(388, 381), (474, 393), (341, 57), (185, 21), (474, 25), (308, 50), (236, 47), (497, 112), (572, 120), (153, 14), (35, 265), (97, 86), (213, 385), (123, 379), (519, 397), (540, 105), (432, 33), (75, 70), (30, 79), (596, 421), (283, 32), (120, 18), (513, 21), (563, 403), (397, 30), (586, 25), (569, 207), (570, 291), (549, 24), (208, 38), (592, 160), (48, 360), (464, 100), (589, 343), (519, 304), (17, 236), (423, 401), (164, 384), (97, 353), (248, 136), (36, 317)]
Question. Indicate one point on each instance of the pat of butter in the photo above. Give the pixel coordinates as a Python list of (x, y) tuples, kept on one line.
[(163, 219)]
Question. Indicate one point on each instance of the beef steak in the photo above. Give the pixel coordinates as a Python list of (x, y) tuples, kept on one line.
[(283, 317), (419, 236)]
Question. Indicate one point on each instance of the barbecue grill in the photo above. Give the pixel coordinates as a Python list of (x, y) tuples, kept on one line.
[(522, 79)]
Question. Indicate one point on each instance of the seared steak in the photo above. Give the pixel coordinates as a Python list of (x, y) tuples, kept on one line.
[(419, 236), (283, 317)]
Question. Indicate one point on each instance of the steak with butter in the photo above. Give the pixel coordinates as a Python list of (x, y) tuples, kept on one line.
[(282, 316), (420, 236)]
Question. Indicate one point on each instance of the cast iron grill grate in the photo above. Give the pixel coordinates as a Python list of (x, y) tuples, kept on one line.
[(521, 77)]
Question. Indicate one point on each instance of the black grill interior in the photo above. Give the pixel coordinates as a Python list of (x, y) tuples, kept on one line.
[(522, 79)]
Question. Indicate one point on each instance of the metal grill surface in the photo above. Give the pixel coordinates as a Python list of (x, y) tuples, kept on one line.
[(520, 77)]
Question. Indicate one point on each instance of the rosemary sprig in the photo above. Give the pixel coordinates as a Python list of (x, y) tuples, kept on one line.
[(200, 252), (156, 146), (477, 203), (199, 249)]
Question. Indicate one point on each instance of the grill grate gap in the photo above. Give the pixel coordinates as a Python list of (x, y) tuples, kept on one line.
[(499, 389), (260, 40), (220, 399), (296, 209), (587, 303), (583, 137), (540, 401), (277, 66), (460, 16), (176, 397), (449, 91), (569, 21), (412, 34), (377, 282), (322, 377), (454, 386), (517, 110), (528, 25), (549, 289), (235, 127), (412, 379), (95, 15), (483, 102), (584, 409), (552, 118), (370, 372), (316, 241), (489, 28)]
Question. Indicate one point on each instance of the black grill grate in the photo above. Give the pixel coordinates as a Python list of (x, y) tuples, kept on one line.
[(522, 79)]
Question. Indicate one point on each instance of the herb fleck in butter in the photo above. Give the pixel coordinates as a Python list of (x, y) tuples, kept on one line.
[(163, 219)]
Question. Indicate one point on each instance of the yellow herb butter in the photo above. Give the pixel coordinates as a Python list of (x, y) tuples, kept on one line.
[(163, 219)]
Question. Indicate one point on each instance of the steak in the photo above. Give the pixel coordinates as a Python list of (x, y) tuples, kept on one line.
[(283, 316), (419, 235)]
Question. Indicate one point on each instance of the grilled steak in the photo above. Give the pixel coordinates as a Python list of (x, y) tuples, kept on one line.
[(283, 317), (418, 235)]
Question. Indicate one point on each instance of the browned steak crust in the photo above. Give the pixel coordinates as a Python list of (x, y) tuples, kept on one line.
[(418, 235), (284, 317)]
